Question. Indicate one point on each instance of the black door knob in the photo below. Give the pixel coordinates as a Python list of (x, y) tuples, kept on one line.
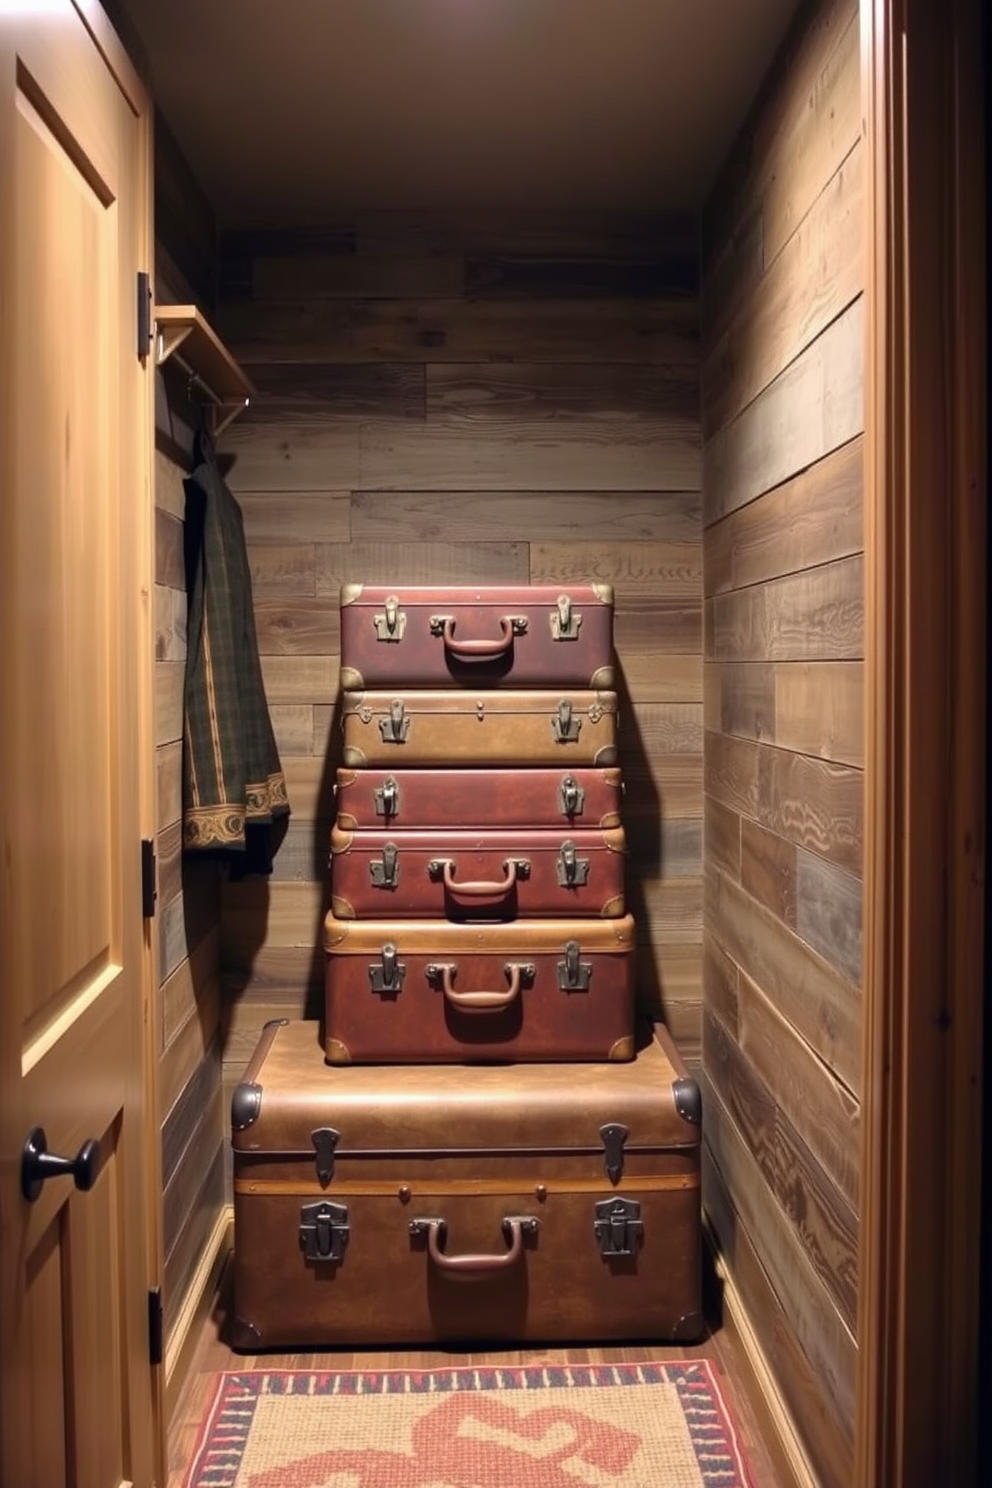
[(37, 1164)]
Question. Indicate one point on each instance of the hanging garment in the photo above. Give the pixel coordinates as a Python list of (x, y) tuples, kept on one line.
[(233, 785)]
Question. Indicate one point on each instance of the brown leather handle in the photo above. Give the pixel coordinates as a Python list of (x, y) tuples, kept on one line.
[(480, 888), (480, 1000), (476, 1265), (478, 650)]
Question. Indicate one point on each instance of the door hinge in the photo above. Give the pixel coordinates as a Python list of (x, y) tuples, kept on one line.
[(149, 893), (155, 1325), (145, 328)]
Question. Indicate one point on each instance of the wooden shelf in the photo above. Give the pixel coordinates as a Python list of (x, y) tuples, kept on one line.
[(185, 335)]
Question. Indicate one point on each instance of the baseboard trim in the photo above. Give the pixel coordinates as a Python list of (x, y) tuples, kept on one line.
[(185, 1333), (777, 1429)]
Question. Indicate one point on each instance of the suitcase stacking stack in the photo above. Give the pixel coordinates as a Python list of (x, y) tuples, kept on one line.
[(483, 1148)]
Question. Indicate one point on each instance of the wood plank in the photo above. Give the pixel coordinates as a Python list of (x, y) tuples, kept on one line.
[(768, 870), (298, 457), (170, 624), (675, 271), (722, 836), (609, 455), (293, 974), (298, 627), (644, 676), (310, 785), (362, 274), (819, 1003), (517, 393), (187, 1113), (183, 1054), (669, 847), (669, 783), (170, 566), (180, 1196), (828, 1450), (744, 692), (660, 627), (731, 772), (640, 572), (286, 569), (169, 783), (829, 913), (292, 724), (301, 392), (667, 910), (819, 1108), (812, 616), (720, 983), (814, 518), (287, 914), (170, 923), (182, 1263), (299, 679), (823, 1219), (424, 516), (813, 708), (613, 236), (290, 516), (654, 330), (170, 496), (649, 729), (818, 273), (169, 865), (169, 678), (385, 562), (304, 853), (814, 406), (182, 993)]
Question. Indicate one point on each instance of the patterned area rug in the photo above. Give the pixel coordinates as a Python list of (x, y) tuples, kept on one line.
[(582, 1426)]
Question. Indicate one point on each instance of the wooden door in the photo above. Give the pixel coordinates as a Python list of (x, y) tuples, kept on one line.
[(77, 1392)]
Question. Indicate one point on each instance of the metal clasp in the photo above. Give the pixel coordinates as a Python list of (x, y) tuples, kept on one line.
[(324, 1230), (391, 625), (571, 796), (565, 621), (573, 871), (573, 974), (387, 976), (324, 1140), (564, 725), (614, 1134), (617, 1226), (387, 798), (386, 875), (395, 726)]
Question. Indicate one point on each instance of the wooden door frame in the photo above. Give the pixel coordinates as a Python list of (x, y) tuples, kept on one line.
[(925, 551)]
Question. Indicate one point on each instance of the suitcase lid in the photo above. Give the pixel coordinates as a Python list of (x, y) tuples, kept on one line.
[(530, 702), (512, 938), (289, 1091), (474, 595)]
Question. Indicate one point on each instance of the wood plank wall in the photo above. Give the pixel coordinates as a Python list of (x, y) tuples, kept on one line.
[(188, 1033), (782, 409), (447, 401)]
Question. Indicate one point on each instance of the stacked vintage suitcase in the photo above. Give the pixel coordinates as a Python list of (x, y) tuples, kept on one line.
[(483, 1147)]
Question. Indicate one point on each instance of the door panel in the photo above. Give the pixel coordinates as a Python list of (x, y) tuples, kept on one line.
[(78, 1392)]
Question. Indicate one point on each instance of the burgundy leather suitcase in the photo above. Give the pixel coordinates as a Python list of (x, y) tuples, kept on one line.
[(428, 991), (495, 1204), (471, 875), (486, 798), (559, 728), (510, 635)]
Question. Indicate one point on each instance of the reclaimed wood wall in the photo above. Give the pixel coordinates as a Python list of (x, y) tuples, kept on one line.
[(188, 1035), (453, 401), (782, 408)]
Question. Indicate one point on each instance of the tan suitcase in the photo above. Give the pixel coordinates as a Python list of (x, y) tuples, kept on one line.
[(484, 1205), (428, 991), (488, 728)]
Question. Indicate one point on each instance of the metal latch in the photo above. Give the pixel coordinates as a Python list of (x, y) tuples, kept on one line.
[(571, 796), (572, 870), (618, 1227), (388, 975), (324, 1230), (324, 1140), (391, 625), (614, 1134), (386, 875), (573, 974), (387, 798), (395, 726), (565, 621), (564, 725)]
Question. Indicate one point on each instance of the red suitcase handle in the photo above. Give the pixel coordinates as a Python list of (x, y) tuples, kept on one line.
[(444, 625), (467, 1266), (479, 888), (476, 1000)]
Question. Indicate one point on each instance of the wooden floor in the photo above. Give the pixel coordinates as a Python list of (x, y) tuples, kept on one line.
[(214, 1355)]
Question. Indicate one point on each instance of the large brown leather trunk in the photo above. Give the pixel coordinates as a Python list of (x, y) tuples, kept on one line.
[(459, 875), (502, 635), (485, 798), (402, 728), (497, 1204), (420, 991)]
